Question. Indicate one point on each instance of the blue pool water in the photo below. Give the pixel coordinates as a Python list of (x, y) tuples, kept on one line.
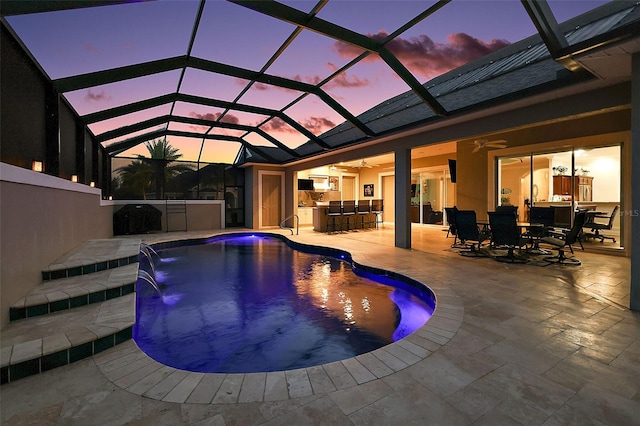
[(246, 304)]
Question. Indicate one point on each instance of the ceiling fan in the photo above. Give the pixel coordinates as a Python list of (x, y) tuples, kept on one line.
[(360, 164), (485, 143)]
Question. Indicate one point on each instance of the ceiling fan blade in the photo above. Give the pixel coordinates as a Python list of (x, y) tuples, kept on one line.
[(497, 145), (476, 149)]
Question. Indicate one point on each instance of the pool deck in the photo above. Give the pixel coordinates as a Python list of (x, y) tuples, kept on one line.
[(507, 344)]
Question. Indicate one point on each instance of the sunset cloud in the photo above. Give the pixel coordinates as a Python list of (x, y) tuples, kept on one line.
[(277, 125), (90, 47), (423, 56), (313, 124), (228, 118), (97, 97), (345, 80), (341, 80), (317, 125)]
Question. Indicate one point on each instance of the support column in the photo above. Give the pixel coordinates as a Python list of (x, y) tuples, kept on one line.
[(402, 204), (52, 130), (634, 205), (95, 162), (106, 174), (80, 154)]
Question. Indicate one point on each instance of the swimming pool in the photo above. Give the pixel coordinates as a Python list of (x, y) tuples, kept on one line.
[(253, 303)]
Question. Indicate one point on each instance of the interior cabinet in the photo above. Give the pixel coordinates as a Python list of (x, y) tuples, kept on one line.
[(583, 186), (306, 215)]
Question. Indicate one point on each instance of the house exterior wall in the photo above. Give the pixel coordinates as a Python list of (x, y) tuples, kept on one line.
[(39, 224), (201, 215), (253, 202)]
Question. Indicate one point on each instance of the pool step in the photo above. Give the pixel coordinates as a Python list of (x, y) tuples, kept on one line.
[(94, 256), (67, 293), (34, 345), (85, 305)]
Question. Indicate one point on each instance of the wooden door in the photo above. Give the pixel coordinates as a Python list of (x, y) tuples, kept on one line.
[(348, 188), (271, 200), (389, 197)]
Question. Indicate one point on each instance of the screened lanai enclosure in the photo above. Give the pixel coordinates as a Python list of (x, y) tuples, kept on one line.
[(250, 82)]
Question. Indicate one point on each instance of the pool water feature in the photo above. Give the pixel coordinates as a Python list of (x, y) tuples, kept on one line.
[(252, 303)]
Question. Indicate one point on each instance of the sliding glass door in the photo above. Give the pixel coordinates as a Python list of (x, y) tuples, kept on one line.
[(430, 192), (588, 179), (514, 184)]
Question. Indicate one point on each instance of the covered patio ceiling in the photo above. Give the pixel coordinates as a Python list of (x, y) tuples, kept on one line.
[(275, 82)]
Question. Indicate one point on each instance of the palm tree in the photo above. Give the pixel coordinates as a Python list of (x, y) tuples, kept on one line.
[(162, 154), (160, 149), (142, 173)]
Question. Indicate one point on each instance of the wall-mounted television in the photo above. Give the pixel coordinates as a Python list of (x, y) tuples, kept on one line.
[(452, 170), (305, 184)]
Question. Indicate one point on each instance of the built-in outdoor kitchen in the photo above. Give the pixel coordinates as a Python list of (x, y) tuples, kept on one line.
[(314, 193)]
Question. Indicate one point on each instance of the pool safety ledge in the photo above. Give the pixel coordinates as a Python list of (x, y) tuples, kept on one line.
[(131, 369)]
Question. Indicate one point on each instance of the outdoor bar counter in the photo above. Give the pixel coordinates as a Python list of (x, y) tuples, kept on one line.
[(322, 222)]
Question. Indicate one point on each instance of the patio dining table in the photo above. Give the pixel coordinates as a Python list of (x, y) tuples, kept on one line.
[(535, 239), (485, 224)]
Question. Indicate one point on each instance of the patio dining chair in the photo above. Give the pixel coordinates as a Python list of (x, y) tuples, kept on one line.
[(506, 208), (562, 240), (505, 233), (541, 219), (470, 234), (451, 220), (598, 226)]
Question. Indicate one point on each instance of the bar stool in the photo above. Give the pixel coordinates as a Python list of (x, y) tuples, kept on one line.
[(348, 210), (364, 209), (377, 207), (334, 212)]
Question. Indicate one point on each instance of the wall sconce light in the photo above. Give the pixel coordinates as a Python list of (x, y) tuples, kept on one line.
[(74, 178), (37, 166), (92, 184)]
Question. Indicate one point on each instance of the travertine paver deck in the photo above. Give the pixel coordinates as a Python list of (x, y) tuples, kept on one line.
[(508, 344)]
